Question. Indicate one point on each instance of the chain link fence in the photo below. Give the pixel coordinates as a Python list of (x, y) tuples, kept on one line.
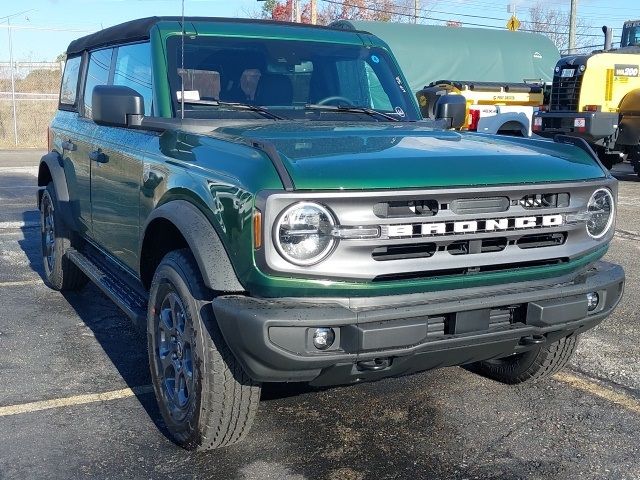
[(28, 101)]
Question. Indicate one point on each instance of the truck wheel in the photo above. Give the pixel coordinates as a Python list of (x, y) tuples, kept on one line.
[(634, 159), (59, 272), (206, 399), (607, 159), (529, 366)]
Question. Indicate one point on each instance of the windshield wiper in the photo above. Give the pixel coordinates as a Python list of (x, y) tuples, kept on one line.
[(236, 105), (350, 109)]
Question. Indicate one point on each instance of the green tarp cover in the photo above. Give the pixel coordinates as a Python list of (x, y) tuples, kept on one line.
[(427, 53)]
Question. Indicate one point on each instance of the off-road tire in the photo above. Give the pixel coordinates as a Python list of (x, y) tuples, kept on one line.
[(59, 272), (529, 366), (223, 399)]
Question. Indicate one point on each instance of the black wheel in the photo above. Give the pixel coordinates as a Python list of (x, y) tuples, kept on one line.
[(607, 159), (59, 272), (530, 366), (206, 399), (634, 158)]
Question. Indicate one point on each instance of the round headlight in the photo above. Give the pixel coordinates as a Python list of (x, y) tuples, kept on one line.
[(600, 211), (303, 233), (557, 69)]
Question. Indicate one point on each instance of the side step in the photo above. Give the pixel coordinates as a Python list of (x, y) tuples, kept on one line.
[(133, 301)]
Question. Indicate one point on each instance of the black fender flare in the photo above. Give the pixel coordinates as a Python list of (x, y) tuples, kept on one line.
[(204, 242), (54, 163)]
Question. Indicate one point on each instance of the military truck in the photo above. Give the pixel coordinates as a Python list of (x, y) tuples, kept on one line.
[(265, 202), (503, 76), (597, 97)]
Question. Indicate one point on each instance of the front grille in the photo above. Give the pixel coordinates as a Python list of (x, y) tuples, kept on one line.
[(448, 272), (403, 252), (541, 241), (422, 237), (565, 91), (547, 200)]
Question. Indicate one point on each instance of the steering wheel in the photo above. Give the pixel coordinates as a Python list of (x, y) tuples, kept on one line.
[(335, 98)]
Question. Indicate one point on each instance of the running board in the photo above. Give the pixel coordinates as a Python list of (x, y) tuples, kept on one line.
[(131, 300)]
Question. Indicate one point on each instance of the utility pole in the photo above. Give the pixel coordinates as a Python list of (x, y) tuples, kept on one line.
[(13, 83), (572, 26), (416, 7), (314, 12)]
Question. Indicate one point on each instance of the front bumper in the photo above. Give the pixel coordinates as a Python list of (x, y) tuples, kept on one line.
[(597, 125), (272, 339)]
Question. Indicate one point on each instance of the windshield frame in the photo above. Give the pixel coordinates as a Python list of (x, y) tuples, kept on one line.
[(408, 102)]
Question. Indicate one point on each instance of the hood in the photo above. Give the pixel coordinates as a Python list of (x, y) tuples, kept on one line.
[(321, 156)]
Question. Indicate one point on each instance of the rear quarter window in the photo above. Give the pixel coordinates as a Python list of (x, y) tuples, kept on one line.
[(69, 86)]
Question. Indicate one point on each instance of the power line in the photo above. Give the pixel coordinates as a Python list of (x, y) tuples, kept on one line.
[(424, 17)]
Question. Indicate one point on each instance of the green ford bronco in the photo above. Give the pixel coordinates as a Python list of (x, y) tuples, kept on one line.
[(265, 201)]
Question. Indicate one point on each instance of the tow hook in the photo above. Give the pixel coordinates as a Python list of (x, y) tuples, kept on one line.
[(375, 364), (533, 340)]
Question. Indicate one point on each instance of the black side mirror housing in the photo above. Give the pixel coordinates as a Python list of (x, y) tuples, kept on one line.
[(452, 109), (117, 106)]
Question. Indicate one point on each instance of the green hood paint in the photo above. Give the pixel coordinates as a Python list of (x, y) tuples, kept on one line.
[(329, 156)]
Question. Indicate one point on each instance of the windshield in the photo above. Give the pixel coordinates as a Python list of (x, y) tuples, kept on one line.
[(293, 79), (630, 35)]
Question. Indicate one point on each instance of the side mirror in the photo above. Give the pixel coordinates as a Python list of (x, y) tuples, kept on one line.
[(117, 106), (452, 109)]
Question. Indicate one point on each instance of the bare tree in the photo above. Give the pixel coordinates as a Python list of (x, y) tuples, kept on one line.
[(330, 10), (554, 24)]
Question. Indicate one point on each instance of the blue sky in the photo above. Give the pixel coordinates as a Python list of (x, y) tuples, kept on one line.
[(49, 25)]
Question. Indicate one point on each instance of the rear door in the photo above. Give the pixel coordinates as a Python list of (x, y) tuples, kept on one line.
[(117, 165), (72, 137)]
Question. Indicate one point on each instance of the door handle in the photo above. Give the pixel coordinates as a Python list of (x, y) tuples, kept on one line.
[(69, 146), (98, 156)]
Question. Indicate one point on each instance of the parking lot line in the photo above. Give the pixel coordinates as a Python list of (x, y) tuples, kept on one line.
[(593, 388), (75, 400), (21, 283)]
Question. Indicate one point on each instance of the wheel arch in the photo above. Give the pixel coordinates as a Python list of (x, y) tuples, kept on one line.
[(629, 128), (180, 224), (51, 170), (513, 127)]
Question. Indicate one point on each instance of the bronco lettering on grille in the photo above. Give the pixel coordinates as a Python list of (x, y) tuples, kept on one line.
[(474, 226)]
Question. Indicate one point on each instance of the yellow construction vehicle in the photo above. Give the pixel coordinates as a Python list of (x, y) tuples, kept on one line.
[(492, 107), (597, 97)]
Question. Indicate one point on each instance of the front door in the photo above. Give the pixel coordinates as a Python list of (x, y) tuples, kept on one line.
[(116, 178), (117, 162)]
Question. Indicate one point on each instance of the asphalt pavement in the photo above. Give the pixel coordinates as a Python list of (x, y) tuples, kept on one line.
[(75, 399)]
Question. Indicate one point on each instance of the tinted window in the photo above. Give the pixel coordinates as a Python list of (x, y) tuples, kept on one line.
[(289, 76), (97, 74), (69, 88), (133, 69)]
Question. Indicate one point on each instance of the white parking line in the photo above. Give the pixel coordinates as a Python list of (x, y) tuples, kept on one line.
[(33, 171), (75, 400), (21, 283), (18, 224)]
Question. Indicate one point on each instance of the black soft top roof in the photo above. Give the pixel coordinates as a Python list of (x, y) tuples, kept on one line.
[(138, 30)]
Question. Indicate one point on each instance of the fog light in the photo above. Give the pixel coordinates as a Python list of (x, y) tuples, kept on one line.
[(593, 299), (323, 338)]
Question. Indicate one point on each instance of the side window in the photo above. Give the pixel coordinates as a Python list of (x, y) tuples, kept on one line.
[(69, 88), (133, 69), (97, 74)]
